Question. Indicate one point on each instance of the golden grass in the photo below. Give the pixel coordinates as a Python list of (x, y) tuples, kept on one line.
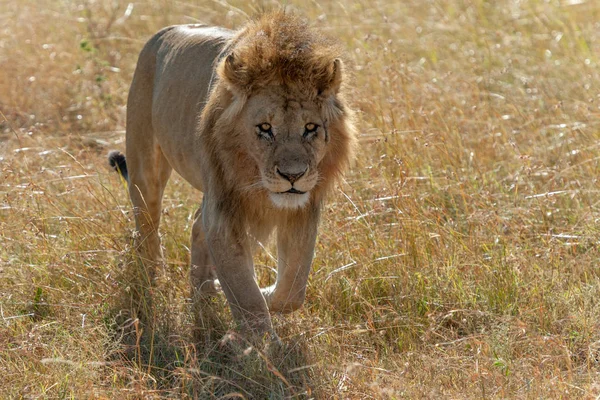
[(459, 260)]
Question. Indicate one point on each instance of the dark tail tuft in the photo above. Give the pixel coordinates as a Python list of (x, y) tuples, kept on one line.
[(116, 159)]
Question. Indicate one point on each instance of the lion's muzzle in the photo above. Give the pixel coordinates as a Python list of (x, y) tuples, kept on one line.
[(292, 174), (290, 182)]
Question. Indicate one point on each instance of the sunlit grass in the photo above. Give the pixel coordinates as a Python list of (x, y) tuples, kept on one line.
[(458, 259)]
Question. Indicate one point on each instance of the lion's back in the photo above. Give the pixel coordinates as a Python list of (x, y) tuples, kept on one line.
[(171, 84), (184, 70)]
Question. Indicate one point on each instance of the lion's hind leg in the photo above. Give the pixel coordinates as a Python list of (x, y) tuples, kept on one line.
[(149, 172)]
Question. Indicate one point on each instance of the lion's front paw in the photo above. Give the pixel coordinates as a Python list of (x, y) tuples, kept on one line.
[(209, 287), (281, 303)]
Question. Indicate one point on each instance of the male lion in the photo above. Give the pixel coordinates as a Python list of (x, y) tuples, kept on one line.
[(256, 120)]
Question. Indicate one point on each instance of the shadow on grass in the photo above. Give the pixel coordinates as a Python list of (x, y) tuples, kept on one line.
[(155, 336)]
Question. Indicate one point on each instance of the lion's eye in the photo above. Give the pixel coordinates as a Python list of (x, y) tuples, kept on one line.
[(310, 130), (264, 131), (310, 127)]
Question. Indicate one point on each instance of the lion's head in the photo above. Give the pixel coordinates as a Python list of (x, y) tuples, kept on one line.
[(279, 111)]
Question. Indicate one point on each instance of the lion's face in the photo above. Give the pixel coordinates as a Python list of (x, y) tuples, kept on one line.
[(286, 136)]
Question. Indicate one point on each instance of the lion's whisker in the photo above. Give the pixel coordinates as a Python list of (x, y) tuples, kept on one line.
[(250, 187)]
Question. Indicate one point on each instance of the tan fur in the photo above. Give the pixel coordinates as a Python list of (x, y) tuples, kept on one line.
[(198, 104)]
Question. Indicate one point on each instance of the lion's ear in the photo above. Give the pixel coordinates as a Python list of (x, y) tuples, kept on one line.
[(232, 72), (333, 78)]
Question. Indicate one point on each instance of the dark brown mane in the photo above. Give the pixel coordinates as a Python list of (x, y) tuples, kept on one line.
[(280, 48)]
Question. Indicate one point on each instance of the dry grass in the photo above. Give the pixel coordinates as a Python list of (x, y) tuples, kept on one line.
[(460, 260)]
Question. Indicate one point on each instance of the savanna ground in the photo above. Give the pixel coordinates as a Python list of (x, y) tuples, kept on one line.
[(459, 259)]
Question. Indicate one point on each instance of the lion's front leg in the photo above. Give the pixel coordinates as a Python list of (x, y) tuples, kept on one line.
[(231, 255), (295, 250)]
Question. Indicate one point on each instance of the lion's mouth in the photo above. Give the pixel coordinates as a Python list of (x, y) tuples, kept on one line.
[(291, 199), (294, 191)]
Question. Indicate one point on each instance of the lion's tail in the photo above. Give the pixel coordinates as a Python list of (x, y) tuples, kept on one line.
[(116, 159)]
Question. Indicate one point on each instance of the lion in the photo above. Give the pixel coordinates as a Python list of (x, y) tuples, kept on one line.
[(257, 120)]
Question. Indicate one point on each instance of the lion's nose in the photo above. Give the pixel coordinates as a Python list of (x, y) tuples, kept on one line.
[(292, 175)]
